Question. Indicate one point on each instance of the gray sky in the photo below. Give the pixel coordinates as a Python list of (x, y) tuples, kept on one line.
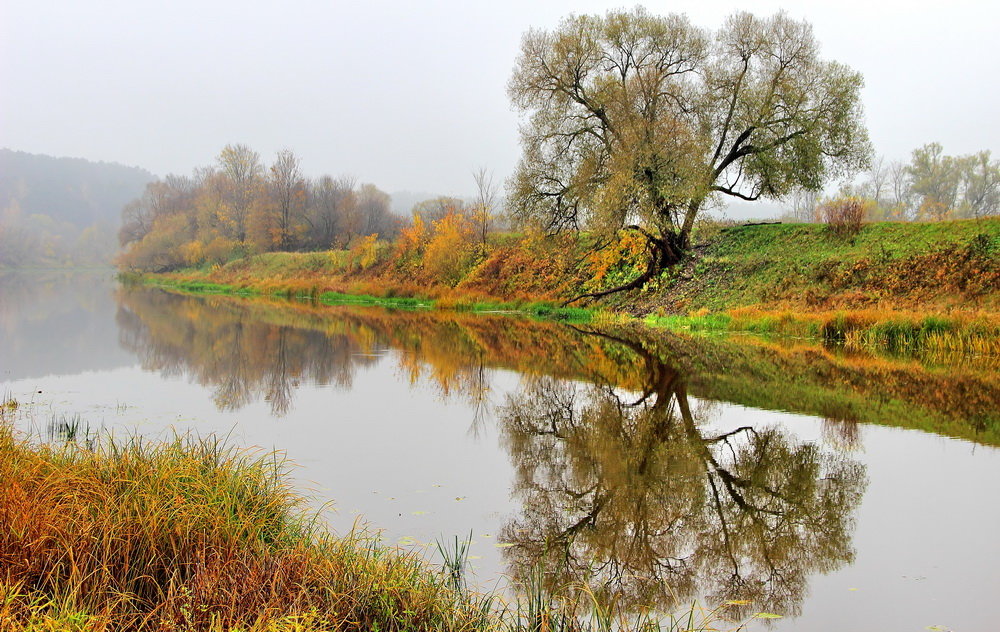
[(411, 95)]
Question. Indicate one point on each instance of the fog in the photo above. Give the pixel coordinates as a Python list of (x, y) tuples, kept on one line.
[(411, 95)]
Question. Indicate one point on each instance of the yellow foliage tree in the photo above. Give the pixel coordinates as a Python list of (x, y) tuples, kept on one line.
[(412, 241), (450, 253)]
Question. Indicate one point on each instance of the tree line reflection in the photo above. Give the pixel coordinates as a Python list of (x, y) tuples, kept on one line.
[(251, 350), (624, 478), (242, 357)]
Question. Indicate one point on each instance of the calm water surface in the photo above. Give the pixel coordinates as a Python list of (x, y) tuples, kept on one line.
[(842, 492)]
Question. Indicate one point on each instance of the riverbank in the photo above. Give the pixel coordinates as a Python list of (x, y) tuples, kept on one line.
[(899, 286), (188, 535)]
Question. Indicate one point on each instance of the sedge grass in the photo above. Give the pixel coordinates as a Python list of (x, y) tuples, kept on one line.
[(188, 535)]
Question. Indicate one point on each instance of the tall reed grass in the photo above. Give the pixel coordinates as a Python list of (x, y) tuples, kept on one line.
[(894, 331), (190, 535)]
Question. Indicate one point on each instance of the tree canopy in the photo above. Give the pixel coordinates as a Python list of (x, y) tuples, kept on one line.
[(638, 121), (240, 206)]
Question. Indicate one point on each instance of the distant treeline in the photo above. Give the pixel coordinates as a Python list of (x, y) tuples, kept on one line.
[(57, 211), (933, 186), (241, 205)]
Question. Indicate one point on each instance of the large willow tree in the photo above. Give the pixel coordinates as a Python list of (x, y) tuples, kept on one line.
[(639, 121)]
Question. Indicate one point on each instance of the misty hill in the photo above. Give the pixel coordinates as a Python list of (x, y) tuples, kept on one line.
[(71, 190), (62, 211)]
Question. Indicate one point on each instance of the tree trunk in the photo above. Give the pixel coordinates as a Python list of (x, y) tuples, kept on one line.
[(664, 251)]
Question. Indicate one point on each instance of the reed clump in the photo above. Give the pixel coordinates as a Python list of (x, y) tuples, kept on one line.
[(877, 329), (190, 535)]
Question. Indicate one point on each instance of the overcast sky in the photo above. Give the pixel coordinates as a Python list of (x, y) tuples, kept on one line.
[(411, 95)]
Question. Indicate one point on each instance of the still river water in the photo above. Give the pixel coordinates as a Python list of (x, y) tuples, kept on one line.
[(843, 492)]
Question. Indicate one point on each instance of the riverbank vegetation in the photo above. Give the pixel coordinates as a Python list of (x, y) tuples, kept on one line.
[(901, 286), (188, 535)]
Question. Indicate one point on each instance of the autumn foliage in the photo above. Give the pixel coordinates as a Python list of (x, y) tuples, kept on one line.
[(238, 207)]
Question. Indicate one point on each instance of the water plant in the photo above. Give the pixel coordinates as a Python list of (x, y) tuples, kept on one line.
[(455, 562)]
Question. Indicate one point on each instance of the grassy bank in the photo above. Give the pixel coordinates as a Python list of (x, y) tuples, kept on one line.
[(939, 266), (189, 535), (900, 286), (541, 309), (901, 332)]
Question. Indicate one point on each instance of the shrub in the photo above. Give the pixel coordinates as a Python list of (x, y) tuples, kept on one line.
[(367, 251), (843, 216), (450, 252)]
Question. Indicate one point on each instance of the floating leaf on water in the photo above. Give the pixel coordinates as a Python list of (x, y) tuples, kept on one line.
[(504, 545), (938, 628), (767, 615), (460, 497), (419, 513), (852, 589), (475, 557), (438, 485), (487, 535)]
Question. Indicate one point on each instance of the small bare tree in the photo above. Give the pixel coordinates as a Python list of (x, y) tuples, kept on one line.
[(902, 194), (486, 199), (800, 205), (288, 194)]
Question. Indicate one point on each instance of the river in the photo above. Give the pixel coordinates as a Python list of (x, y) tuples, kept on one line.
[(841, 491)]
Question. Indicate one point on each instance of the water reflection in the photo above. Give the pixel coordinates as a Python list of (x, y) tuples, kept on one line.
[(619, 480), (57, 323), (634, 496), (225, 345), (247, 350)]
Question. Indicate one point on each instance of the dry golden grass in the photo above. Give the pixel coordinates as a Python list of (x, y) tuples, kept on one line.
[(190, 535)]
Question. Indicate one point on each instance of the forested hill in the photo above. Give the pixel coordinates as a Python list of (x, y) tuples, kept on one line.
[(62, 211), (71, 190)]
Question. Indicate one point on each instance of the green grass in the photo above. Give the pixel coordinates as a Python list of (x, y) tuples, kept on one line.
[(806, 265), (708, 322), (337, 298), (540, 309), (873, 331)]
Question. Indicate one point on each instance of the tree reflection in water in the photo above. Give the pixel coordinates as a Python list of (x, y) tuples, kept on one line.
[(620, 481), (240, 353), (635, 497)]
